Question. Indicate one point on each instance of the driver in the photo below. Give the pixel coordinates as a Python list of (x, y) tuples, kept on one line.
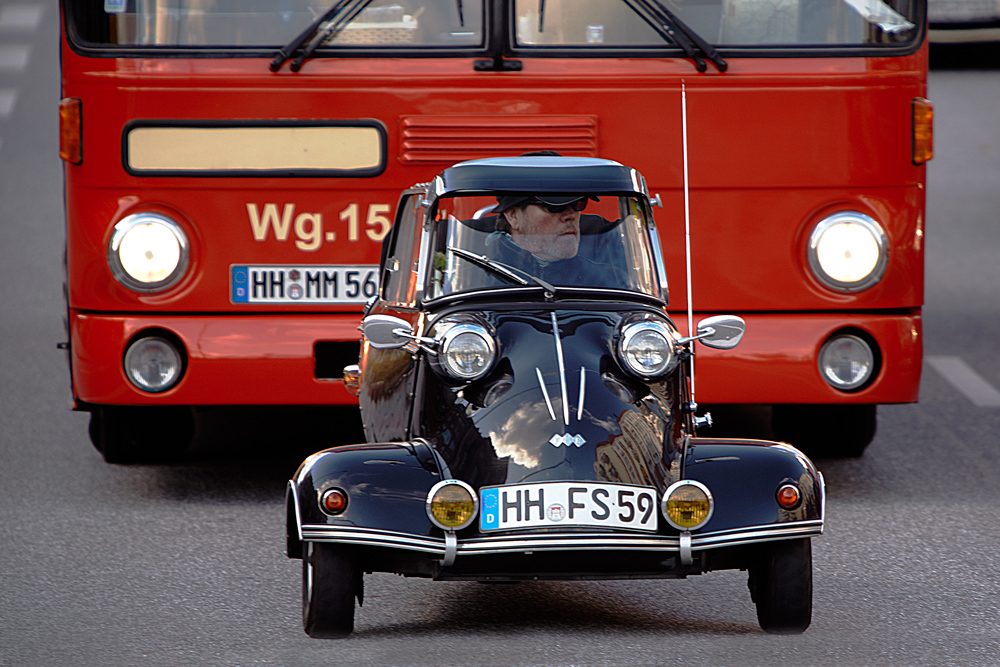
[(540, 234)]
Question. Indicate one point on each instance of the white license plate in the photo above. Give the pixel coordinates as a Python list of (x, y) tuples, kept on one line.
[(553, 504), (303, 284)]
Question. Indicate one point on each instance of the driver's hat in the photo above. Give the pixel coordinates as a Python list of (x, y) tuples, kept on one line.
[(505, 202)]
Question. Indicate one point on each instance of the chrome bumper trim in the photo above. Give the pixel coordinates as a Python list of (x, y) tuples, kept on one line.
[(498, 544)]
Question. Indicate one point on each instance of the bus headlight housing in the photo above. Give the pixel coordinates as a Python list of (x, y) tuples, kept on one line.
[(452, 504), (847, 362), (646, 348), (848, 251), (148, 252), (153, 363)]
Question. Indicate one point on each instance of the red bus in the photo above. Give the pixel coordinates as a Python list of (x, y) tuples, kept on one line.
[(232, 167)]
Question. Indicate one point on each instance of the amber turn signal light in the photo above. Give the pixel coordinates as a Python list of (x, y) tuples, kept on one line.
[(923, 130), (788, 496), (71, 130), (333, 502)]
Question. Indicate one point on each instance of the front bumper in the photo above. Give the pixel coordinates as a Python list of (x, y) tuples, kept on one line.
[(777, 360), (231, 360)]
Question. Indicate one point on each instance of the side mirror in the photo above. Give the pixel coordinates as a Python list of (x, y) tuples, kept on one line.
[(721, 332), (385, 332)]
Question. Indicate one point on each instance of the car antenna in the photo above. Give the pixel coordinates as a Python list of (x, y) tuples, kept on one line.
[(687, 231)]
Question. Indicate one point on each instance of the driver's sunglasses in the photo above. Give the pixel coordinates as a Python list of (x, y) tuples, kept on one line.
[(556, 209)]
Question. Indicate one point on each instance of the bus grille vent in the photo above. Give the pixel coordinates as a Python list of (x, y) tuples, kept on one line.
[(449, 139)]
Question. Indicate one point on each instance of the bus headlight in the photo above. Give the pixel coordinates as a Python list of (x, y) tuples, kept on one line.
[(452, 504), (647, 348), (848, 251), (687, 505), (153, 364), (148, 252)]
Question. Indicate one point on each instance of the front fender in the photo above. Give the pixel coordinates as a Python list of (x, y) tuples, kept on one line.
[(386, 486), (744, 477)]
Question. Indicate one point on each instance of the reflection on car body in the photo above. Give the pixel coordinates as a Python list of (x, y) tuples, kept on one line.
[(528, 411)]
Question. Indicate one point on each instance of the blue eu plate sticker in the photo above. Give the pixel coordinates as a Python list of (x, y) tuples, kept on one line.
[(489, 509), (239, 284)]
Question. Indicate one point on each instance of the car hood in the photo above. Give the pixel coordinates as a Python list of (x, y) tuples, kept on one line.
[(556, 406)]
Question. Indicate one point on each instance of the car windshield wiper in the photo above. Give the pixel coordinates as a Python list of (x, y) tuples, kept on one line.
[(502, 270), (335, 18), (668, 25)]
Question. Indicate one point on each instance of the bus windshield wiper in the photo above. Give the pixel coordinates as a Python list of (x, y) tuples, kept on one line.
[(502, 270), (335, 18), (668, 25)]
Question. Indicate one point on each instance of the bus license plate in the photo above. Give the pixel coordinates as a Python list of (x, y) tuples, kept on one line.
[(552, 504), (304, 284)]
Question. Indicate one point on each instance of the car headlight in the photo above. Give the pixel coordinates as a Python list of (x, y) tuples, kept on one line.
[(148, 252), (153, 364), (847, 362), (848, 251), (647, 348), (687, 505), (467, 351), (452, 504)]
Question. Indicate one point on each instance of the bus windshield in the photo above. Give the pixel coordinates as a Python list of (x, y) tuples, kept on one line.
[(538, 25), (269, 23)]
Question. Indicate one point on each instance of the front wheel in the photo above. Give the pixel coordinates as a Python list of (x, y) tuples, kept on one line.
[(331, 580), (781, 586)]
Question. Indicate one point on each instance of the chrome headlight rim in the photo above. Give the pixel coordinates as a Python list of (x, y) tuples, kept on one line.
[(121, 232), (628, 335), (680, 484), (452, 482), (448, 339), (154, 336), (877, 234)]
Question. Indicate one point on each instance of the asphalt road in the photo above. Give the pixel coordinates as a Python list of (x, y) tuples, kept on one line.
[(183, 565)]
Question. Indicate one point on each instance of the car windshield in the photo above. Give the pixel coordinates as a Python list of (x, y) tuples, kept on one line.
[(553, 247)]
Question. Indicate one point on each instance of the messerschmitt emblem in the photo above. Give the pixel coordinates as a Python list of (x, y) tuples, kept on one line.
[(567, 440)]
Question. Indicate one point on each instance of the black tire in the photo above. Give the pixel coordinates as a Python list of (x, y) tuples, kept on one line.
[(141, 435), (781, 586), (826, 431), (331, 580)]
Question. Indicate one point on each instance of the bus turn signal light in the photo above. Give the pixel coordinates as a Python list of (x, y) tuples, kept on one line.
[(923, 130), (71, 130)]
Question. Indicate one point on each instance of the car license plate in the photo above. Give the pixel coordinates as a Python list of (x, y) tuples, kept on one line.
[(551, 504), (305, 284)]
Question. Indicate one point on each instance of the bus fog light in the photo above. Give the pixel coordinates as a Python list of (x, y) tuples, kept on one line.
[(687, 505), (153, 364), (848, 251), (847, 362), (452, 504), (148, 252)]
